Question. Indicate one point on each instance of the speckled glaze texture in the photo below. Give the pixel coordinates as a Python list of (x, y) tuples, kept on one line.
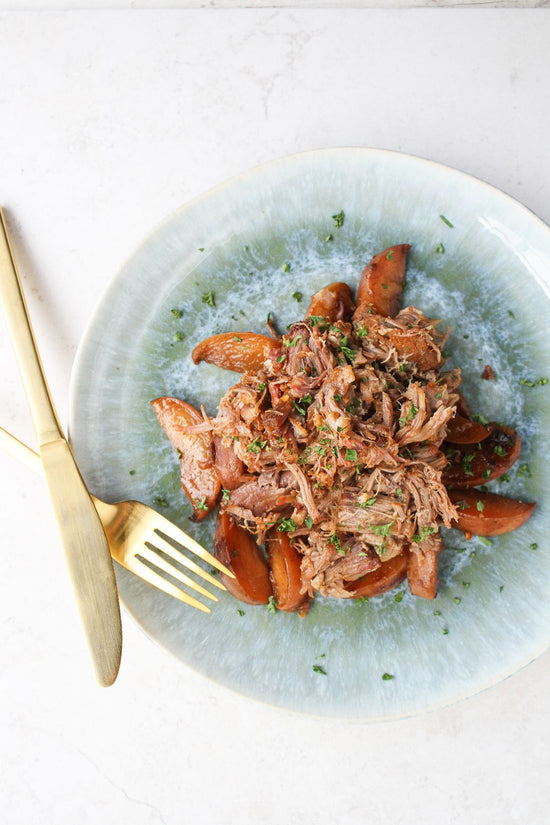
[(481, 263)]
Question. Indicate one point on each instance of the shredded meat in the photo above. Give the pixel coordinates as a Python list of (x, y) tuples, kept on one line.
[(337, 441)]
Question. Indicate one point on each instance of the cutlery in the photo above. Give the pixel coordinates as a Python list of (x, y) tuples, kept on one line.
[(86, 551), (133, 530)]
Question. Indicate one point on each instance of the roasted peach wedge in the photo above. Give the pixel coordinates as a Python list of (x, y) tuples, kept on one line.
[(237, 351), (238, 551), (381, 284), (488, 514), (334, 302), (384, 578), (461, 430), (198, 476), (422, 570), (284, 563), (472, 464)]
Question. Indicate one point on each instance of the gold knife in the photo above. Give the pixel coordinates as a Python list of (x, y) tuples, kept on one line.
[(84, 542)]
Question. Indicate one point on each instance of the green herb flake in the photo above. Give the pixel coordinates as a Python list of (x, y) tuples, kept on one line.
[(457, 599), (308, 521), (389, 257), (177, 313), (131, 472), (335, 541), (160, 501), (225, 496), (240, 612), (208, 298), (445, 631), (286, 525), (271, 605), (178, 336), (339, 218), (387, 677), (480, 507), (200, 504), (256, 446), (351, 455), (297, 296), (533, 546), (286, 267), (319, 669), (446, 221), (524, 470), (399, 597), (329, 237), (440, 249), (368, 503)]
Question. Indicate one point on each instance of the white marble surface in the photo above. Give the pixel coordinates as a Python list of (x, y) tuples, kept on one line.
[(109, 121)]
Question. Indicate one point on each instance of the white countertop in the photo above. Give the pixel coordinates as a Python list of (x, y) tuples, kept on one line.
[(110, 120)]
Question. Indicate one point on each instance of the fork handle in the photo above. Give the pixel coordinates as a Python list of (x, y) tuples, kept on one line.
[(14, 306)]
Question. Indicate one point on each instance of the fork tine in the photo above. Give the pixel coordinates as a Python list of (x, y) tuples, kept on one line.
[(149, 575), (196, 548), (174, 550), (151, 554)]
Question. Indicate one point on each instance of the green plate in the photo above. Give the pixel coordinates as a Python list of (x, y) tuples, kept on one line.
[(481, 262)]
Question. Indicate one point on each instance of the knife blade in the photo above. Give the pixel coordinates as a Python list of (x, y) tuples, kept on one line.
[(86, 550)]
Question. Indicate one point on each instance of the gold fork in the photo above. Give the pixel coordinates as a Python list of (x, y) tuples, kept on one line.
[(142, 540)]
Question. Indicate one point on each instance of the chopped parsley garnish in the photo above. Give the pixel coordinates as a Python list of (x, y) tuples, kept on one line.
[(382, 529), (387, 677), (208, 298), (446, 221), (256, 446), (240, 612), (339, 218), (178, 336), (177, 313), (480, 507), (422, 534), (200, 504), (308, 521), (410, 414), (527, 382), (297, 296), (466, 461), (225, 496), (524, 470), (440, 249), (271, 605), (286, 267), (160, 501), (368, 503), (319, 669), (389, 257), (351, 455), (286, 525), (292, 342), (335, 541)]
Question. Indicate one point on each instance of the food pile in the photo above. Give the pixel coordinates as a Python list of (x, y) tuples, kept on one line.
[(342, 449)]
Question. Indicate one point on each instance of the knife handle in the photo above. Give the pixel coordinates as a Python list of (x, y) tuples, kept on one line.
[(14, 306)]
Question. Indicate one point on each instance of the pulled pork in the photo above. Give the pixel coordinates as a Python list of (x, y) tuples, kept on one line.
[(336, 440)]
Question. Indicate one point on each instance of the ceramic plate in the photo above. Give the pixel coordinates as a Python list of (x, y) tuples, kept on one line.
[(479, 261)]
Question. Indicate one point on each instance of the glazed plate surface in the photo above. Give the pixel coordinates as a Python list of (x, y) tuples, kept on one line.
[(480, 262)]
